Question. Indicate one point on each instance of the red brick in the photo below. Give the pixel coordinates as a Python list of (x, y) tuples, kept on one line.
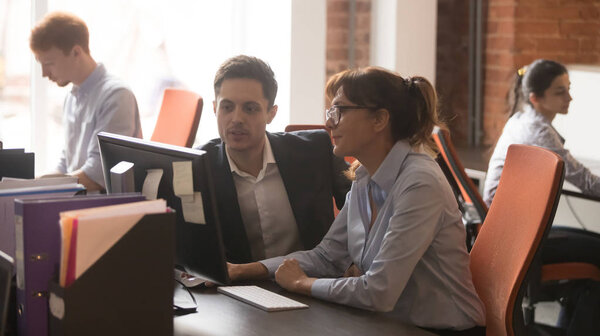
[(588, 44), (500, 42), (363, 21), (525, 11), (524, 59), (338, 6), (504, 58), (564, 44), (498, 75), (337, 37), (338, 21), (537, 28), (497, 12), (558, 13), (580, 28), (524, 43), (337, 53), (590, 12), (363, 6)]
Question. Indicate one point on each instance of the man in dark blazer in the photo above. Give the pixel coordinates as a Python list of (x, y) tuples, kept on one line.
[(274, 190)]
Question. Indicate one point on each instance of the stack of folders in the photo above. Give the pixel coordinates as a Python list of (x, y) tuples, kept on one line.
[(38, 251), (11, 189), (116, 271)]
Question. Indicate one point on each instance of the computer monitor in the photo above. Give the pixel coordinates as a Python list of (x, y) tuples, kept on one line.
[(16, 163), (199, 247)]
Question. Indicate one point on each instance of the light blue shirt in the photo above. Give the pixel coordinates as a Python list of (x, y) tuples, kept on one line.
[(414, 257), (528, 127), (101, 103)]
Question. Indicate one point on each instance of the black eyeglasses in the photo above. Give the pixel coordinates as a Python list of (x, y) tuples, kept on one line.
[(335, 111)]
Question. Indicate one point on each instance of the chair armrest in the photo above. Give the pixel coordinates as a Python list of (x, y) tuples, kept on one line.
[(580, 195), (570, 271)]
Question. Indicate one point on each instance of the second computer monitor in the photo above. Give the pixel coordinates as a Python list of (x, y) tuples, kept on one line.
[(199, 244)]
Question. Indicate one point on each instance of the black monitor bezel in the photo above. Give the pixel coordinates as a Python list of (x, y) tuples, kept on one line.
[(199, 247)]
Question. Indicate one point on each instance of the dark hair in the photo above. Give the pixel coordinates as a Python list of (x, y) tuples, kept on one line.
[(534, 78), (61, 30), (412, 102), (243, 66)]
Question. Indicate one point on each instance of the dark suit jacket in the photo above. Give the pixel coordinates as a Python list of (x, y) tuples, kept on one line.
[(311, 175)]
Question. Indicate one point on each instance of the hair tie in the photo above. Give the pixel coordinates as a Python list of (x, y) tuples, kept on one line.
[(522, 71), (409, 82)]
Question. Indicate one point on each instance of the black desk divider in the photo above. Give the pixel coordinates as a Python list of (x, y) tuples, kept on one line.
[(128, 291)]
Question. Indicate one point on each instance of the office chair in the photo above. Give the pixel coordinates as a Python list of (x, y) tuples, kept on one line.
[(304, 127), (506, 253), (474, 208), (178, 118), (557, 279)]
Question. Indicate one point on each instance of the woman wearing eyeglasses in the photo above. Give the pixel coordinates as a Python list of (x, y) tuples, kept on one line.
[(398, 243)]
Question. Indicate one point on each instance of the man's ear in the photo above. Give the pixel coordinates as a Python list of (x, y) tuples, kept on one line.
[(381, 119), (215, 107), (76, 51), (271, 113)]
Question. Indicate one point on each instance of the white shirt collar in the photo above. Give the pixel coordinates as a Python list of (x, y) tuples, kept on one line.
[(268, 157)]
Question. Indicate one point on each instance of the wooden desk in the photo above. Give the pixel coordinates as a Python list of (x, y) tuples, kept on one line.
[(219, 314)]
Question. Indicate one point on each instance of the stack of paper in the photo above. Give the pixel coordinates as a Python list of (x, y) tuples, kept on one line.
[(11, 189), (89, 233)]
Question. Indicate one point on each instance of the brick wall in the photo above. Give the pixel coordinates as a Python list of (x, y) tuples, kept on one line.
[(520, 31), (337, 35), (452, 61)]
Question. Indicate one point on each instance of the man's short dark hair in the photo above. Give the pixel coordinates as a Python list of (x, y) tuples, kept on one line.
[(243, 66)]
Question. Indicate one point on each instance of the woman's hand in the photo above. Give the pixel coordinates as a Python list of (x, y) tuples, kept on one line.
[(290, 276)]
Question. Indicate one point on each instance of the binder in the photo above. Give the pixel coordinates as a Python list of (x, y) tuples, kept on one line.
[(128, 291), (7, 208), (38, 251)]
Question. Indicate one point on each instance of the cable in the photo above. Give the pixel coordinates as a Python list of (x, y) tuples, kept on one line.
[(579, 221)]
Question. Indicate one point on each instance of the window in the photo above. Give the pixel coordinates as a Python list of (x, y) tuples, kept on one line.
[(151, 45)]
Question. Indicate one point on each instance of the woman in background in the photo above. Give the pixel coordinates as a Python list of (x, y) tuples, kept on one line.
[(398, 243), (540, 92)]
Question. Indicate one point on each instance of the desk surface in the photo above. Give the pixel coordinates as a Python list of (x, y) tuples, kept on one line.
[(219, 314)]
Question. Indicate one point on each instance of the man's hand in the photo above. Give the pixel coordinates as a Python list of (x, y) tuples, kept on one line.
[(251, 271), (88, 183), (290, 276)]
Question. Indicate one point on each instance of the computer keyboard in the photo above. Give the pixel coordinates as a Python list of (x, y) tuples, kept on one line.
[(261, 298)]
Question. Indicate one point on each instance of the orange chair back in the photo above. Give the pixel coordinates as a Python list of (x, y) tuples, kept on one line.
[(303, 127), (178, 118), (518, 220), (468, 190)]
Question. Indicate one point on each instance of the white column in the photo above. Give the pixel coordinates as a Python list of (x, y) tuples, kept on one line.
[(307, 68), (403, 36), (39, 96)]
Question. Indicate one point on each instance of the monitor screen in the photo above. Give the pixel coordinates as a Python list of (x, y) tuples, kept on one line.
[(16, 163), (199, 246)]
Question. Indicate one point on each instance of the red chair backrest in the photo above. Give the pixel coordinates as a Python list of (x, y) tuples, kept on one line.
[(178, 118), (518, 220), (468, 190)]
